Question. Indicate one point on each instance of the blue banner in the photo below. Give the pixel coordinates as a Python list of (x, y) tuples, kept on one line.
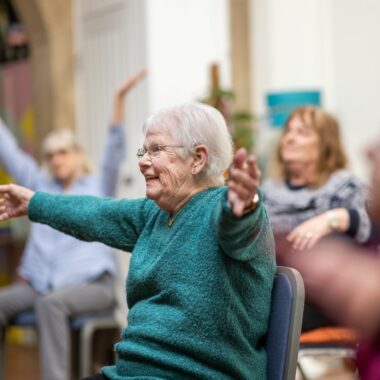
[(281, 104)]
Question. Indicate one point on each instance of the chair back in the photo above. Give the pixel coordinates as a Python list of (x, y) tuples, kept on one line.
[(285, 323)]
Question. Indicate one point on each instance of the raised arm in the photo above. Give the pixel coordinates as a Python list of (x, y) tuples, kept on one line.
[(244, 181), (115, 146), (245, 229), (22, 167), (121, 92)]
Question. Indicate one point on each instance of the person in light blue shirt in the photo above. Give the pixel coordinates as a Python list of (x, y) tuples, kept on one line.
[(60, 276)]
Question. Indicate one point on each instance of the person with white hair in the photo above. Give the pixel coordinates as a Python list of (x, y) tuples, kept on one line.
[(60, 276), (203, 262)]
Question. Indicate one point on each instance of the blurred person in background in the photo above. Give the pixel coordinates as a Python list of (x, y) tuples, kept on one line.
[(316, 195), (203, 262), (344, 280), (60, 276)]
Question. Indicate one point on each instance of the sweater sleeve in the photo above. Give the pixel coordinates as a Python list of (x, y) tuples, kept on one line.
[(117, 223), (111, 159), (353, 196), (22, 167), (243, 238)]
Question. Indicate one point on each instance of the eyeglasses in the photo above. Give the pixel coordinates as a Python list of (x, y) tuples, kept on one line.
[(59, 152), (154, 151)]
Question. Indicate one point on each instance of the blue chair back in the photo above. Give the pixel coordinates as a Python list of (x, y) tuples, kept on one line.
[(285, 323)]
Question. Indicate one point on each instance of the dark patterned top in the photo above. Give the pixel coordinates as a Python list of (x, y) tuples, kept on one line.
[(290, 206)]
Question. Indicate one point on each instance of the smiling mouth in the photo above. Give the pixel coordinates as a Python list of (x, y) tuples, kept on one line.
[(149, 178)]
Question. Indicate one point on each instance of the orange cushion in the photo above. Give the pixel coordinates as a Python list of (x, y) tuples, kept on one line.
[(329, 335)]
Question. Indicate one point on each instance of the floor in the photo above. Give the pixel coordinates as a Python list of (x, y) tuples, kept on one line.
[(22, 357), (21, 362)]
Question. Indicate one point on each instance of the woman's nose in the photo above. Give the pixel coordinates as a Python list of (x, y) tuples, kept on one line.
[(145, 160)]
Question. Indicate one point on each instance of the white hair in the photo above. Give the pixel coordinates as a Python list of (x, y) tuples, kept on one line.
[(194, 124)]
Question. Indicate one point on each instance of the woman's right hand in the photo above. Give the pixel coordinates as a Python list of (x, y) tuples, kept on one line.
[(14, 201)]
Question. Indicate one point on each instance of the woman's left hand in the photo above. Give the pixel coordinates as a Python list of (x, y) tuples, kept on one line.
[(308, 233), (243, 183)]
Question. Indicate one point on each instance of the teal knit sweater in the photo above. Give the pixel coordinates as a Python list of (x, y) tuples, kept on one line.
[(198, 291)]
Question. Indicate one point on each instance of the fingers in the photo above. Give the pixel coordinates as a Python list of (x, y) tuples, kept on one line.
[(244, 176), (5, 189), (3, 209), (302, 240), (237, 205), (244, 181), (239, 158)]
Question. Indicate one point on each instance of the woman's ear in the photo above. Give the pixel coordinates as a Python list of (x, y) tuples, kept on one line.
[(200, 159)]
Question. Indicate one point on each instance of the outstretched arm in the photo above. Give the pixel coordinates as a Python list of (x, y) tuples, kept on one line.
[(113, 222)]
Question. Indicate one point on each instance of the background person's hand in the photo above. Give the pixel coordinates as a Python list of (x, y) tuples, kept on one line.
[(243, 183), (14, 201), (121, 92), (308, 233)]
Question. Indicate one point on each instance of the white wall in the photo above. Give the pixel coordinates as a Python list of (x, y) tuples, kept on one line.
[(331, 45), (356, 31), (177, 40), (184, 38)]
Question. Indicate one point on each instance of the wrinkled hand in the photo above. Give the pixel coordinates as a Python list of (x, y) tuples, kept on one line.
[(14, 201), (244, 181)]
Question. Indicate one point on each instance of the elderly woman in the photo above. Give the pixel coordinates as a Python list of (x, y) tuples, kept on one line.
[(316, 195), (202, 266), (60, 276)]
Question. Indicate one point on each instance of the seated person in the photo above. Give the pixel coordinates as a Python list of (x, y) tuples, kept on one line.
[(60, 276), (316, 195), (202, 267), (344, 280)]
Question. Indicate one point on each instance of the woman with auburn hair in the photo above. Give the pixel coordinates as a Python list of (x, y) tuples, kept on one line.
[(315, 195)]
